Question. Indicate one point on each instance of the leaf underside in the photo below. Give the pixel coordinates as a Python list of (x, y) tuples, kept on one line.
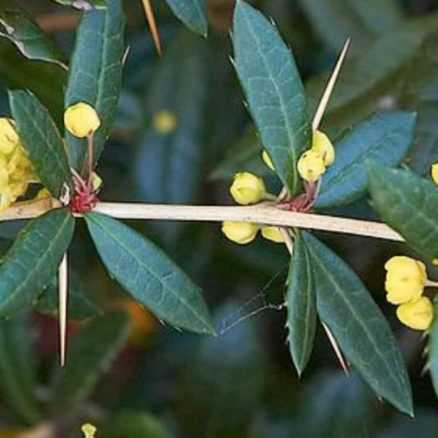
[(192, 13)]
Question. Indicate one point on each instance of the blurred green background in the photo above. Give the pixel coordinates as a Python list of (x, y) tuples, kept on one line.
[(181, 132)]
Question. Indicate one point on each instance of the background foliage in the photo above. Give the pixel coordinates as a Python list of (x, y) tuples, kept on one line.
[(133, 376)]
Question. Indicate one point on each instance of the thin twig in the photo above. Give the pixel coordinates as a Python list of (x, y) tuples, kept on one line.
[(265, 214), (329, 88), (150, 16), (62, 311)]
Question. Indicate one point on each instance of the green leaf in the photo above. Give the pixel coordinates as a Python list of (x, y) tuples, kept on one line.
[(135, 424), (337, 20), (18, 380), (42, 140), (32, 262), (359, 326), (407, 203), (79, 305), (301, 306), (17, 26), (384, 137), (85, 5), (432, 350), (192, 13), (95, 74), (272, 84), (92, 351), (149, 275)]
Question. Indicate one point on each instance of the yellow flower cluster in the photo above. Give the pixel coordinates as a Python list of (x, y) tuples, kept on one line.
[(314, 162), (245, 232), (405, 282), (16, 170), (249, 189)]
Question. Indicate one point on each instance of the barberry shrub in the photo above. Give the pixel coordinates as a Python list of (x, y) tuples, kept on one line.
[(50, 145)]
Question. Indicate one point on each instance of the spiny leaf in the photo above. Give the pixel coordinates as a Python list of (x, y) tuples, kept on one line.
[(301, 306), (384, 137), (149, 275), (272, 84), (42, 140), (407, 203), (96, 72), (359, 326), (32, 262)]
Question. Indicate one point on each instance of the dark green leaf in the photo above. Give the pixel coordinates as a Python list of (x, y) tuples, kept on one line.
[(79, 305), (149, 275), (32, 262), (432, 350), (18, 27), (359, 326), (407, 203), (18, 380), (192, 13), (92, 351), (385, 137), (42, 140), (135, 424), (86, 5), (301, 306), (96, 72), (272, 84)]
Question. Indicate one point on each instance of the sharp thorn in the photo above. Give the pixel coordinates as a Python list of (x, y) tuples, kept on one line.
[(329, 88)]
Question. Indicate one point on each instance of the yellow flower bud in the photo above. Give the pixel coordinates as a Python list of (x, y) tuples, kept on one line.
[(323, 146), (81, 120), (89, 430), (267, 159), (417, 315), (434, 172), (8, 135), (247, 188), (240, 232), (405, 279), (272, 233), (165, 122), (311, 166), (42, 194), (96, 181)]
